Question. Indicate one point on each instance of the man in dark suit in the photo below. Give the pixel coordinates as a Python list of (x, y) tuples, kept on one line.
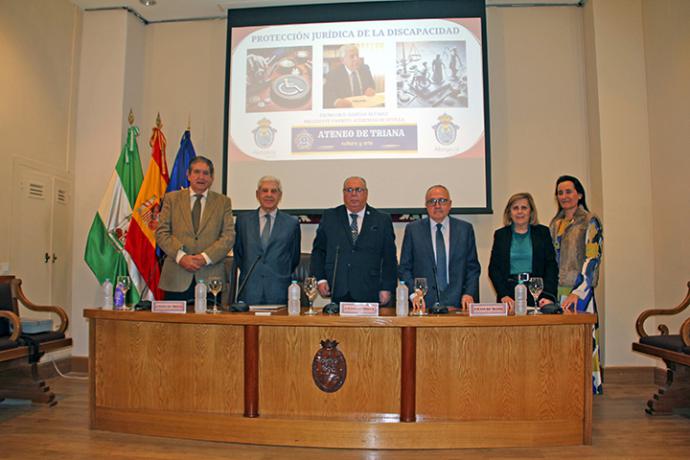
[(351, 78), (195, 231), (364, 239), (272, 235), (441, 249)]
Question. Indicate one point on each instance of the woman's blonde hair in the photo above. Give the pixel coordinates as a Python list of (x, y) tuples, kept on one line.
[(533, 219)]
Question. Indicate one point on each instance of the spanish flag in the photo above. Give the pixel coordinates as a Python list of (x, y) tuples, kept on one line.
[(141, 238)]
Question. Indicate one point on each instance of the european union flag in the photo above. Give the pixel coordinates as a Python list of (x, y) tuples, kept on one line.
[(185, 155)]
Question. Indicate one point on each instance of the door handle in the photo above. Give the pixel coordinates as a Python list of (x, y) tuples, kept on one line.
[(46, 257), (54, 257)]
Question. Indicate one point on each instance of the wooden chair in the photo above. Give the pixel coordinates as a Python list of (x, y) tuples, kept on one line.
[(674, 350), (18, 347)]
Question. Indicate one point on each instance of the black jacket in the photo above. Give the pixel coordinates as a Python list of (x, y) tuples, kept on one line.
[(543, 262), (365, 267)]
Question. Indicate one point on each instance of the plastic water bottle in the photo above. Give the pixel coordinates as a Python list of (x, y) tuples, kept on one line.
[(108, 294), (520, 299), (200, 292), (402, 299), (119, 297), (294, 298)]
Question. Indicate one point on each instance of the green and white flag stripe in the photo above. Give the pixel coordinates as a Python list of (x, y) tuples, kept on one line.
[(105, 254)]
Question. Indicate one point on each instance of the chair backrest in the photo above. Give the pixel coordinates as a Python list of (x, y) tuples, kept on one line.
[(8, 302), (232, 275), (302, 271), (230, 284)]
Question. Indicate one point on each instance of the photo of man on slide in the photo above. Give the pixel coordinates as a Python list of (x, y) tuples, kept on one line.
[(348, 81)]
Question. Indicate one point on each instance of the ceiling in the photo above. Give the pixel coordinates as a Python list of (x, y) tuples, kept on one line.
[(177, 10)]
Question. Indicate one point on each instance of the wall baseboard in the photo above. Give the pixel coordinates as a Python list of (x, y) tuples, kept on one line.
[(634, 375), (80, 364)]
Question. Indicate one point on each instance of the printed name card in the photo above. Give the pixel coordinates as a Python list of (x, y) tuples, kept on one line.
[(359, 309), (488, 309), (169, 306)]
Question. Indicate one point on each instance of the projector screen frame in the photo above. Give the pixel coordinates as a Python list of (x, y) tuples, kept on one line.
[(363, 11)]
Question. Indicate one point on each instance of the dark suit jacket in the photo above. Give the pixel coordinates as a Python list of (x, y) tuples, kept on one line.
[(215, 237), (364, 268), (417, 260), (337, 84), (269, 281), (543, 261)]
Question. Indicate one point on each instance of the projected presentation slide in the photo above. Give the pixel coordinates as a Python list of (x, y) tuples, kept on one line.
[(391, 89), (335, 98)]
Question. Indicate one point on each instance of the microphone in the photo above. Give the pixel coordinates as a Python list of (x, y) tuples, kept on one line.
[(242, 306), (332, 308), (436, 308)]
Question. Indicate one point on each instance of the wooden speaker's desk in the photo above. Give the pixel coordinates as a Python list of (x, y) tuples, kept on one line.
[(412, 382)]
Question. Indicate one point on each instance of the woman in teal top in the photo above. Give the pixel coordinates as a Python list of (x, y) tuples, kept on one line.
[(522, 247)]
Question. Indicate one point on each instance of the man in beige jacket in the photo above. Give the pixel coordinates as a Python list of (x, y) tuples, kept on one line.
[(196, 232)]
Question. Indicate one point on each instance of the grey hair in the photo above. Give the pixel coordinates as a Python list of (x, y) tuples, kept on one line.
[(355, 177), (270, 179), (437, 186)]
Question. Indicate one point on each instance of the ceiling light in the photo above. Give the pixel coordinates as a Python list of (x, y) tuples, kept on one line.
[(147, 2)]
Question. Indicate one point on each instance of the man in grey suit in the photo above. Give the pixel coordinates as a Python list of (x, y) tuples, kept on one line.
[(441, 249), (269, 240), (195, 231)]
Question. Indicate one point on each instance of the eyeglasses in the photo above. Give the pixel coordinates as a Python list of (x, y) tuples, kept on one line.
[(435, 201), (354, 190)]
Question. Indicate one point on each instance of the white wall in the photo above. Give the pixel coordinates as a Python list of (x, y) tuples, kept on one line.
[(37, 81), (667, 57)]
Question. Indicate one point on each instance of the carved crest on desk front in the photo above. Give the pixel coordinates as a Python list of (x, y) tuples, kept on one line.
[(329, 368)]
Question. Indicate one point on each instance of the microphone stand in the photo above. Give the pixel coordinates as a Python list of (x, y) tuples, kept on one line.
[(436, 308), (332, 308), (242, 306)]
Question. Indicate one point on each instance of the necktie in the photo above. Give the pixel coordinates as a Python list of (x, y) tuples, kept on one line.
[(441, 271), (356, 86), (266, 233), (196, 212), (353, 227)]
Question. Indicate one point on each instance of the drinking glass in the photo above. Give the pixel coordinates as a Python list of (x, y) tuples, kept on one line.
[(311, 290), (536, 286), (125, 282), (215, 285)]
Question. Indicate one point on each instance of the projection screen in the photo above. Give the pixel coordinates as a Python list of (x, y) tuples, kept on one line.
[(395, 92)]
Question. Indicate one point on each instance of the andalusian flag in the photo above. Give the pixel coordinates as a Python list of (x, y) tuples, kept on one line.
[(141, 238), (105, 252)]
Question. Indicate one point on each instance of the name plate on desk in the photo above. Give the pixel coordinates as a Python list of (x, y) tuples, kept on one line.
[(169, 306), (359, 309), (488, 309)]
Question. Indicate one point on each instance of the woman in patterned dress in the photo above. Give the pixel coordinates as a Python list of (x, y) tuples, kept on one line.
[(577, 238)]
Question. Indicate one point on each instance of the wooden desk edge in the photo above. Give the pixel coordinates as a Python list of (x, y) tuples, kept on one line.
[(387, 320)]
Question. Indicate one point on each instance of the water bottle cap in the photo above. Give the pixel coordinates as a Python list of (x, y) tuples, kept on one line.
[(294, 281), (107, 279), (402, 283)]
